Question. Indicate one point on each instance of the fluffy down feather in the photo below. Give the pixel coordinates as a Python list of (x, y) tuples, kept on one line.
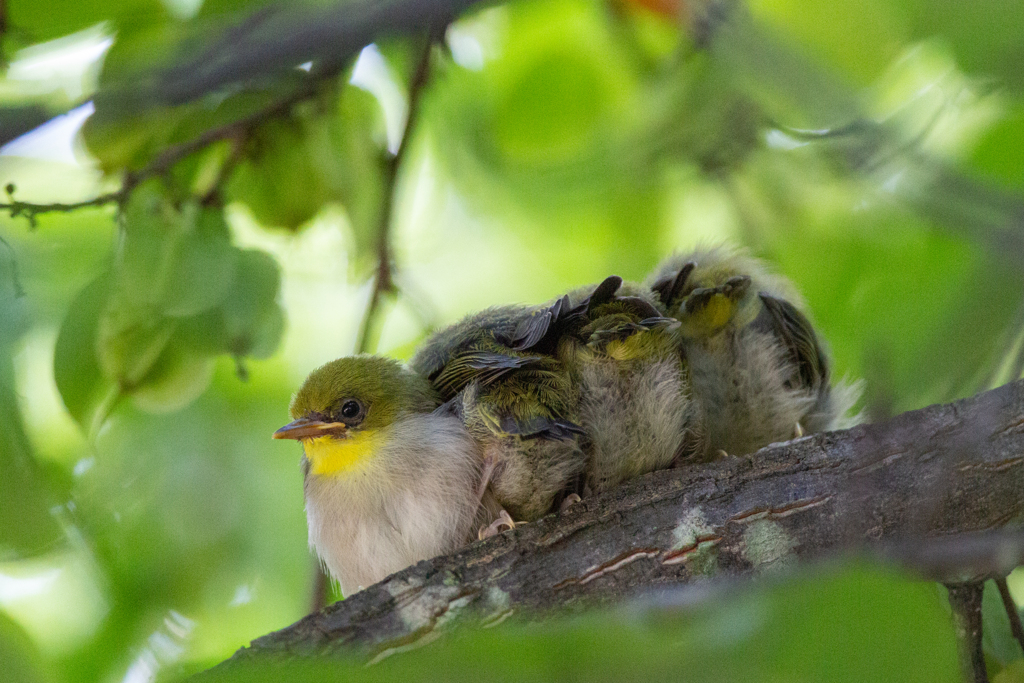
[(758, 367)]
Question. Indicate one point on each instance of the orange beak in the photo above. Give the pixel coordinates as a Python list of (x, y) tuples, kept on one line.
[(308, 428)]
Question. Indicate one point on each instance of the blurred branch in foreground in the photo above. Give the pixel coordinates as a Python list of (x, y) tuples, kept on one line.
[(892, 488)]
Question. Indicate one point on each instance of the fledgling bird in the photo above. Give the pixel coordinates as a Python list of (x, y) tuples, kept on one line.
[(588, 389), (495, 372), (636, 407), (389, 480), (759, 370)]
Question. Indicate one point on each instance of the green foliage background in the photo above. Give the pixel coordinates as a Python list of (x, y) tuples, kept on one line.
[(871, 151)]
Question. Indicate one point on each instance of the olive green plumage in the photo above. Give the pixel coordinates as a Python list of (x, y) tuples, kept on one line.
[(759, 370), (388, 479), (373, 380), (496, 372)]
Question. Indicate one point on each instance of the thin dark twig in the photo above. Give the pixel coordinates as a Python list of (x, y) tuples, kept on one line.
[(30, 210), (234, 155), (172, 155), (965, 599), (384, 282), (1011, 611), (236, 130)]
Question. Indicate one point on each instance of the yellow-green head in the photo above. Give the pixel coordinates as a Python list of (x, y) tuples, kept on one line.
[(343, 408)]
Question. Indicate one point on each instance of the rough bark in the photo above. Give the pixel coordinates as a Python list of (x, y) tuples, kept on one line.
[(904, 487)]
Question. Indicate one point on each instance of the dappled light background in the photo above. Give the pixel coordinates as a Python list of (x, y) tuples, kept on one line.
[(873, 152)]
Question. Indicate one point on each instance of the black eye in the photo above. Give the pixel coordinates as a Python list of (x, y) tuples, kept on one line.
[(350, 409)]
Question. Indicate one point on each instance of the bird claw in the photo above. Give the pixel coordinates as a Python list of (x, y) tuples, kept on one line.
[(503, 523), (601, 338), (732, 289), (736, 287)]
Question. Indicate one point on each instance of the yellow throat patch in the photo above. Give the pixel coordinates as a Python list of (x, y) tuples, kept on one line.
[(328, 455)]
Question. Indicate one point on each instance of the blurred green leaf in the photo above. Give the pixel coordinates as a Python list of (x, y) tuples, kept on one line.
[(126, 132), (252, 319), (178, 377), (130, 338), (1014, 673), (859, 37), (551, 110), (127, 139), (350, 152), (1000, 153), (900, 304), (330, 151), (204, 265), (997, 637), (151, 227), (279, 181), (26, 525), (76, 369), (219, 8), (179, 294), (132, 330), (21, 659), (56, 18), (987, 35), (174, 263)]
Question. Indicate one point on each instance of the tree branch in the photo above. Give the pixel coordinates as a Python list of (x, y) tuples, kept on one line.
[(30, 210), (902, 488), (163, 162), (276, 39)]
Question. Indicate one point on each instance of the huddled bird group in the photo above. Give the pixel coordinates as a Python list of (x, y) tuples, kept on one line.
[(517, 411)]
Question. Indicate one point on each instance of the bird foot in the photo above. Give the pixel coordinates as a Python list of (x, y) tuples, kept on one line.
[(504, 522), (798, 431), (568, 502), (721, 454)]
